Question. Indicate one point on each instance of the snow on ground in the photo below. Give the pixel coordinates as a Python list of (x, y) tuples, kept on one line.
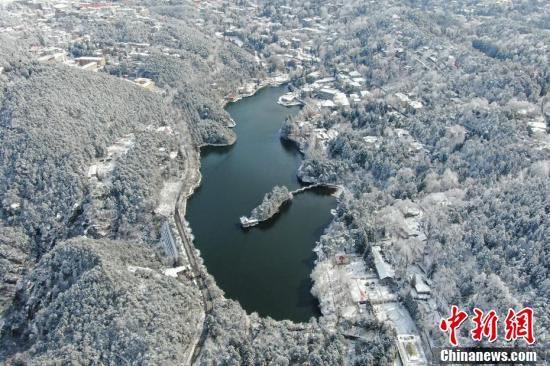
[(173, 272), (103, 167), (339, 287), (378, 293), (397, 315), (135, 269), (167, 198)]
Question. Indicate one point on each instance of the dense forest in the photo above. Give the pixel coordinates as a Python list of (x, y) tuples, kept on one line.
[(470, 159), (64, 298), (47, 124), (197, 69), (443, 156), (89, 306)]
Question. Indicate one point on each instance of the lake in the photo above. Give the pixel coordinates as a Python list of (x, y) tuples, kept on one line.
[(265, 268)]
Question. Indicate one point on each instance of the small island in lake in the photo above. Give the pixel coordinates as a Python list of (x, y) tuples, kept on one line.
[(270, 205)]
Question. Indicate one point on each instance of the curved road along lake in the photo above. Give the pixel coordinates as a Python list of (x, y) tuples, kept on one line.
[(265, 268)]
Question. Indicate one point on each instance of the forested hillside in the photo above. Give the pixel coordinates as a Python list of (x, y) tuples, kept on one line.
[(55, 117), (15, 260), (197, 69), (265, 341), (432, 118), (100, 301), (446, 160), (84, 161), (82, 300)]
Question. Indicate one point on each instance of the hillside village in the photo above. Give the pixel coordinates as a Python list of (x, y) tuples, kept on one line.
[(390, 279), (318, 92)]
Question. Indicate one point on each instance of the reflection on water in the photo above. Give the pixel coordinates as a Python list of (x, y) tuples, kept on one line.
[(265, 268)]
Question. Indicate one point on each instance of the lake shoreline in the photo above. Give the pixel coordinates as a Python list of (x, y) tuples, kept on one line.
[(199, 153)]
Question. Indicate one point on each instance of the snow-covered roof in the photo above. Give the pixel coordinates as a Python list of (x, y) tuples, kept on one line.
[(326, 103), (410, 350), (402, 97), (420, 286), (383, 269), (415, 104), (341, 99)]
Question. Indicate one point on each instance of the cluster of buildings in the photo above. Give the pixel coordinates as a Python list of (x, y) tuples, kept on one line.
[(350, 286), (345, 284), (74, 47), (331, 92), (291, 50), (349, 290)]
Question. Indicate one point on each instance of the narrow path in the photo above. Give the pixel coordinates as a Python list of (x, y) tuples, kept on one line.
[(198, 276), (311, 186), (190, 182)]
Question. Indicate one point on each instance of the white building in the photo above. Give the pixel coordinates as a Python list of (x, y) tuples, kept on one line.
[(410, 350), (383, 269)]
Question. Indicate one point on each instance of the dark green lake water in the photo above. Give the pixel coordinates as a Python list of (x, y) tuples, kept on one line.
[(266, 268)]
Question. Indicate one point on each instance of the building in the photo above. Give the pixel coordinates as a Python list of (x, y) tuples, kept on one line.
[(341, 99), (168, 243), (415, 104), (405, 102), (313, 76), (420, 290), (92, 171), (385, 272), (52, 58), (247, 222), (326, 104), (327, 93), (100, 61), (410, 350), (90, 62), (92, 66), (289, 99), (145, 83), (372, 141), (403, 99), (341, 258)]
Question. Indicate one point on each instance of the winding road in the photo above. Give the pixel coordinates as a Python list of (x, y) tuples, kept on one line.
[(191, 180)]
